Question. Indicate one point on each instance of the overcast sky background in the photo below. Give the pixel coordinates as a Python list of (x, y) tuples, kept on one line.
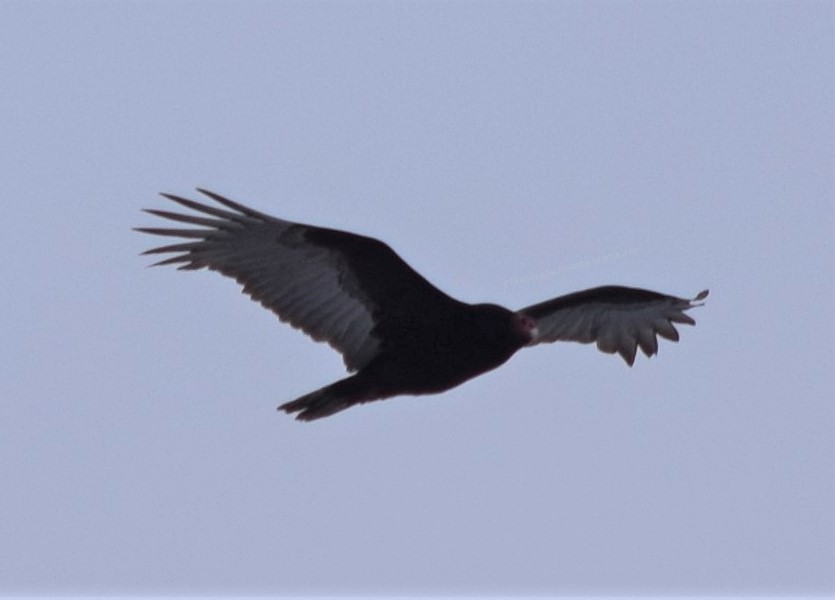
[(510, 152)]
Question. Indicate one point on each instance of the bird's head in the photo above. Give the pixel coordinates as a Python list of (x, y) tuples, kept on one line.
[(525, 325)]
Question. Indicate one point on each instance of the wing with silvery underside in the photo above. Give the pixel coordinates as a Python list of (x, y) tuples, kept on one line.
[(331, 284), (619, 319)]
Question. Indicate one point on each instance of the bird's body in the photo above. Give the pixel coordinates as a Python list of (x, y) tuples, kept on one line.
[(399, 333), (423, 358)]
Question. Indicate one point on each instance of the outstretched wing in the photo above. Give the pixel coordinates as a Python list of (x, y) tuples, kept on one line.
[(619, 319), (333, 285)]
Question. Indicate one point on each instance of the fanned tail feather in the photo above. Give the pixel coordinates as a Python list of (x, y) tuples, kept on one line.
[(328, 400)]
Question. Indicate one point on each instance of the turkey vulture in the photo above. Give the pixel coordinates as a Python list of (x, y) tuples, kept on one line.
[(397, 332)]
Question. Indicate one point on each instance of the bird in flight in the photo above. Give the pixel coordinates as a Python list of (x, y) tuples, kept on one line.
[(397, 333)]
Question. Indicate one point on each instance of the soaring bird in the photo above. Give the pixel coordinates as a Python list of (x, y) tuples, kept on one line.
[(397, 333)]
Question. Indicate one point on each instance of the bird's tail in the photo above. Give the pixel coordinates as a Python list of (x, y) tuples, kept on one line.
[(329, 400)]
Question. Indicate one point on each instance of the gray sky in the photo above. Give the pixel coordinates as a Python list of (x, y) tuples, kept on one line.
[(510, 152)]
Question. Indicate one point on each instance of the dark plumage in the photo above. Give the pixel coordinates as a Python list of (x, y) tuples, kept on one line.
[(394, 329)]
